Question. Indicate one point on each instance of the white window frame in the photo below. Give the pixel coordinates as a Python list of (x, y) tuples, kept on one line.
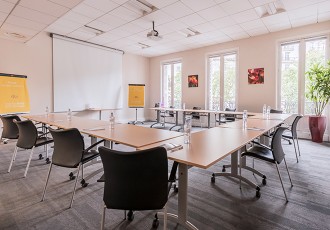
[(221, 54), (162, 91), (301, 68)]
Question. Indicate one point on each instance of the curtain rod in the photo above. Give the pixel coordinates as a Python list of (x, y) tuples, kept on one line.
[(91, 43)]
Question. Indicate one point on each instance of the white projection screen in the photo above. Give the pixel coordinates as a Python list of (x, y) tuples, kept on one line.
[(85, 76)]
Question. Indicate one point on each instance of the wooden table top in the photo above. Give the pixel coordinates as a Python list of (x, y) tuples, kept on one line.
[(202, 111), (131, 135), (253, 124), (209, 146), (272, 116)]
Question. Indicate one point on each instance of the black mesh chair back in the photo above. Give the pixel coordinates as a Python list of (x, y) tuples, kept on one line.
[(230, 117), (28, 134), (294, 126), (195, 115), (135, 180), (68, 147), (276, 145), (10, 129), (275, 111), (157, 104)]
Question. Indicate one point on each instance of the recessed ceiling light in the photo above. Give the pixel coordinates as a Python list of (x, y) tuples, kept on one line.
[(14, 35), (269, 9)]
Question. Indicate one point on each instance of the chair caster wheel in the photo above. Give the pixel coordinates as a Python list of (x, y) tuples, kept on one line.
[(155, 223), (83, 183), (223, 169), (5, 142), (47, 160), (130, 215), (258, 194), (264, 182), (213, 178), (72, 177), (41, 157)]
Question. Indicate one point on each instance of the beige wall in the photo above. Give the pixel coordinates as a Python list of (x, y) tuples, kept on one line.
[(34, 59), (253, 52)]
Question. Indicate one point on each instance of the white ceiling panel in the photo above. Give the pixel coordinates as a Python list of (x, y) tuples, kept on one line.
[(45, 6), (295, 4), (177, 10), (304, 21), (67, 3), (303, 12), (223, 22), (232, 29), (33, 15), (278, 27), (68, 24), (197, 5), (239, 35), (2, 17), (6, 7), (257, 31), (126, 14), (120, 32), (245, 16), (102, 5), (75, 17), (14, 20), (88, 11), (192, 20), (57, 29), (276, 19), (236, 6), (142, 22), (81, 34), (161, 3), (205, 27), (324, 7), (252, 24), (132, 29), (11, 1), (212, 13), (112, 20), (97, 24), (256, 3), (159, 17), (18, 29)]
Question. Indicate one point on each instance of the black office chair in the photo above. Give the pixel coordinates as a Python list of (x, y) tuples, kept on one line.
[(294, 136), (273, 154), (226, 117), (275, 111), (135, 181), (167, 114), (28, 138), (70, 152), (197, 115), (9, 129)]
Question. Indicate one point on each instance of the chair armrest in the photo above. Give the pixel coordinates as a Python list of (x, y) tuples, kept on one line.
[(93, 145), (262, 145)]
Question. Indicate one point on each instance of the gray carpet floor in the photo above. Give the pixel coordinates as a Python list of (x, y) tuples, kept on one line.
[(221, 205)]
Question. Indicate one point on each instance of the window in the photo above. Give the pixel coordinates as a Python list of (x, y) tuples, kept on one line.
[(296, 58), (221, 85), (171, 84)]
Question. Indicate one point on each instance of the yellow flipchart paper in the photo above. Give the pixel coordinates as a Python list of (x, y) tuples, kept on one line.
[(136, 96), (14, 95)]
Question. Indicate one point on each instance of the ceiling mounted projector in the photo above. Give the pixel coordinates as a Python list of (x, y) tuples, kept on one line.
[(153, 35)]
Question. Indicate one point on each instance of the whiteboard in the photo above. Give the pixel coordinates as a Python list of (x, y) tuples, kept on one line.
[(85, 76)]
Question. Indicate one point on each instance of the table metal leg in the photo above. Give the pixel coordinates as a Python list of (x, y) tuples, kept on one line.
[(235, 170), (208, 120), (181, 218)]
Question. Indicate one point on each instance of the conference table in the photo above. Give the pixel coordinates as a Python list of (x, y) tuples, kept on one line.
[(209, 147), (203, 112), (130, 135), (206, 148)]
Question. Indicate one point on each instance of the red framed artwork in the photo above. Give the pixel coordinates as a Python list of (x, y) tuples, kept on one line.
[(193, 81), (256, 76)]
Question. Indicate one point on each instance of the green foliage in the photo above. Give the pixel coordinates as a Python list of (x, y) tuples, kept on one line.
[(318, 89)]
